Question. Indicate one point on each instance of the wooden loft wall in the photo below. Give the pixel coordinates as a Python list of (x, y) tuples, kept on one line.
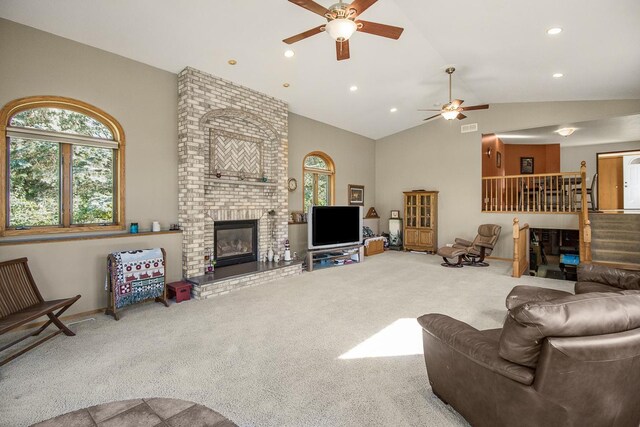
[(489, 165), (546, 158)]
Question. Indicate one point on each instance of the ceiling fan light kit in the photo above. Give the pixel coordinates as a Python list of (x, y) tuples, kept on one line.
[(341, 29), (453, 109), (342, 23)]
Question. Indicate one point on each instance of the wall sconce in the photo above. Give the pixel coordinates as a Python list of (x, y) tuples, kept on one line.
[(488, 152)]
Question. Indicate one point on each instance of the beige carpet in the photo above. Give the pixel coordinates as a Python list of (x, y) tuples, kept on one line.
[(271, 355)]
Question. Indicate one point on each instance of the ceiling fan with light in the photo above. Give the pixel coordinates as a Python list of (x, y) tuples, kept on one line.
[(452, 109), (342, 22)]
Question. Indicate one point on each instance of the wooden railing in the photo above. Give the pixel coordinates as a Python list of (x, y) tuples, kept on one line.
[(540, 193), (520, 248), (584, 223)]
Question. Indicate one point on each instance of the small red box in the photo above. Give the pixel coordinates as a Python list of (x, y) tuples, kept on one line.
[(180, 290)]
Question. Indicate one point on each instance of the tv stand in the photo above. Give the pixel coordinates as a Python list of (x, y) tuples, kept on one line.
[(323, 258)]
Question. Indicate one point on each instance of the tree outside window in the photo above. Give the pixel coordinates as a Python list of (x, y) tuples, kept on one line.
[(319, 180), (64, 167)]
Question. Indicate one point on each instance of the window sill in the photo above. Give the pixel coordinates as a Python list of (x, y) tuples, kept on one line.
[(67, 238), (44, 231)]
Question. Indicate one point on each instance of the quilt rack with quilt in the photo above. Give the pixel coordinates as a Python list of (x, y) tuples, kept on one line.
[(135, 276)]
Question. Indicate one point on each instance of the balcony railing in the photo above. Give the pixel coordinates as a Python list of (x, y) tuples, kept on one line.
[(541, 193)]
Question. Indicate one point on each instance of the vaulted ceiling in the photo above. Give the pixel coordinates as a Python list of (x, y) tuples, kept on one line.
[(500, 49)]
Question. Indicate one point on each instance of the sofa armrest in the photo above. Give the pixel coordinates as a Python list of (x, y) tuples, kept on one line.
[(522, 294), (463, 242), (475, 345)]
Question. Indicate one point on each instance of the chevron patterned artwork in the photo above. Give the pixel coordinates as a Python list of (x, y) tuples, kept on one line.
[(234, 154)]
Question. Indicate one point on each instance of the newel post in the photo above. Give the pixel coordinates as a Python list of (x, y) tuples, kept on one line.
[(516, 249), (585, 224)]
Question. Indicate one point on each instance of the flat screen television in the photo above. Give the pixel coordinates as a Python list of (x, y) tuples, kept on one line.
[(334, 226)]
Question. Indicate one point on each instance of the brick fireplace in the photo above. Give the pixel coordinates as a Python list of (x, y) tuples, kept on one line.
[(233, 165)]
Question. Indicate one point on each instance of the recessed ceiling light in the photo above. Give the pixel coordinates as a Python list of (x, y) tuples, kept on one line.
[(553, 31), (285, 84), (558, 75), (232, 62), (353, 88), (393, 110), (289, 53)]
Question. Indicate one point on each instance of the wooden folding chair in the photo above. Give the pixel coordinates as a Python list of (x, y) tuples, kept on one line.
[(21, 303)]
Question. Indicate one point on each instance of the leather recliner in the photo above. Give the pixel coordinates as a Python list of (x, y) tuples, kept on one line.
[(559, 360), (472, 253), (600, 278)]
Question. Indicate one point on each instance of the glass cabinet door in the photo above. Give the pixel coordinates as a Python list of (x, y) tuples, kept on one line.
[(411, 210), (425, 210)]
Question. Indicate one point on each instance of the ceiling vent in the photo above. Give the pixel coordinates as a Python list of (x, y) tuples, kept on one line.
[(473, 127)]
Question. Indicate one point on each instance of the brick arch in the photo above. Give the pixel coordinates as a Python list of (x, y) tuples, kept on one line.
[(240, 114)]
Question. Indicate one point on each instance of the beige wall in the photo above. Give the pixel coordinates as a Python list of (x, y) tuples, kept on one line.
[(436, 156), (354, 158), (65, 269), (570, 157), (144, 100)]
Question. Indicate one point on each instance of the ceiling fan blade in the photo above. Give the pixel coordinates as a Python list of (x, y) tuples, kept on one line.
[(461, 116), (475, 107), (302, 36), (380, 29), (361, 5), (432, 117), (430, 109), (456, 103), (342, 50), (311, 6)]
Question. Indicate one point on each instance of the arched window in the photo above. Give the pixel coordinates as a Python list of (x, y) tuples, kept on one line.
[(64, 162), (318, 173)]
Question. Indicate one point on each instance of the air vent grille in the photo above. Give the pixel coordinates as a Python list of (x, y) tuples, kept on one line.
[(473, 127)]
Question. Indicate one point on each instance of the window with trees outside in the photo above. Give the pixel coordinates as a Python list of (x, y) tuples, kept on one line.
[(63, 162), (319, 180)]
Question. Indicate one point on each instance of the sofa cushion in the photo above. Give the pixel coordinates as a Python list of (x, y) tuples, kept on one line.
[(622, 279), (584, 287), (594, 313), (524, 293)]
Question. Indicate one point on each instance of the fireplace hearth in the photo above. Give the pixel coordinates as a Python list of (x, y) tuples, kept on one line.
[(235, 242)]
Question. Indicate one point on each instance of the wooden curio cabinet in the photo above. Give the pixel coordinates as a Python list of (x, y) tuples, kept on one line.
[(421, 221)]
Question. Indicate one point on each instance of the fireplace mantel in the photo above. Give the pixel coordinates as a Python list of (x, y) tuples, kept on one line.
[(222, 181)]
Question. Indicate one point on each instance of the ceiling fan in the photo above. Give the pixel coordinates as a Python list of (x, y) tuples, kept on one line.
[(452, 109), (342, 22)]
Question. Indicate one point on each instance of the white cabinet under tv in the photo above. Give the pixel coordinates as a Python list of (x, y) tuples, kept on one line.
[(324, 258)]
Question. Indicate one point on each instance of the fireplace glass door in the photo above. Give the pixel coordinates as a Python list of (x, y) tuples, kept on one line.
[(235, 242)]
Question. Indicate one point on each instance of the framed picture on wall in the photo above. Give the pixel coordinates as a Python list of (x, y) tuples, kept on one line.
[(498, 159), (356, 195), (526, 165), (395, 214)]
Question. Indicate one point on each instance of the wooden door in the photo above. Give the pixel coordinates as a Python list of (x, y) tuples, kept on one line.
[(610, 183), (410, 237), (426, 238)]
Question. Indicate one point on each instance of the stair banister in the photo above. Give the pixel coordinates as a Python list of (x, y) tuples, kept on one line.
[(585, 224), (520, 248)]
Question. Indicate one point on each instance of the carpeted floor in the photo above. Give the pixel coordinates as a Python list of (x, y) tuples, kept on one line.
[(271, 355)]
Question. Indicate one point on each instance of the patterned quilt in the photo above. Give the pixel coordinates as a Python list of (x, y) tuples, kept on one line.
[(136, 275)]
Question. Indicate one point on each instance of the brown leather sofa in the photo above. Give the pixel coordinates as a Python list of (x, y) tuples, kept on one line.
[(559, 360), (599, 278)]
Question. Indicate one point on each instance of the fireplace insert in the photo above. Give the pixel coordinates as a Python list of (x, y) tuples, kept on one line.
[(235, 242)]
